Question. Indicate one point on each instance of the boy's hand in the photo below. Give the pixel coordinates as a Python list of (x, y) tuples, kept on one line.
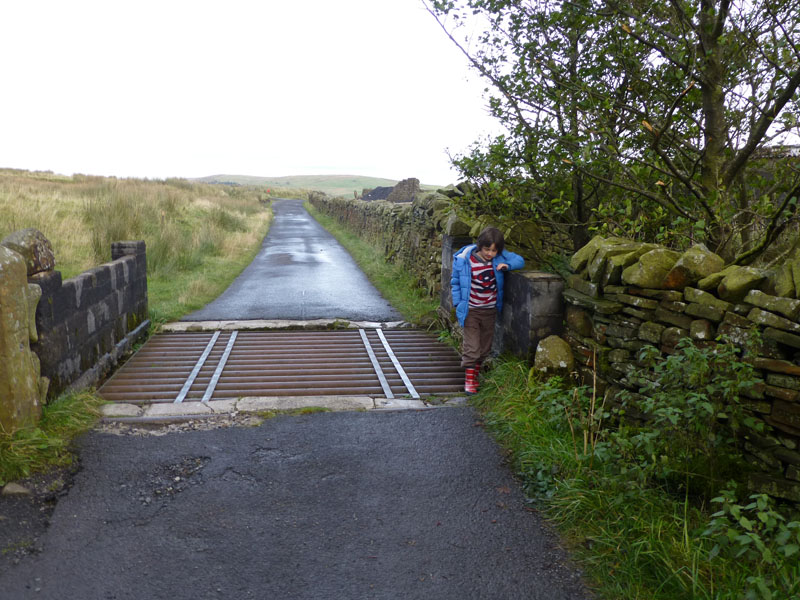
[(502, 267)]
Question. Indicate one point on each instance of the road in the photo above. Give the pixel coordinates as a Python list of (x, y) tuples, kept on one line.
[(301, 273), (407, 504), (413, 504)]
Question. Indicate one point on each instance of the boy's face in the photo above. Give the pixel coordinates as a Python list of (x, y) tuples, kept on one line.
[(487, 252)]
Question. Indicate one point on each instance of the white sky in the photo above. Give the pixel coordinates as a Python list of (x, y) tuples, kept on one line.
[(183, 88)]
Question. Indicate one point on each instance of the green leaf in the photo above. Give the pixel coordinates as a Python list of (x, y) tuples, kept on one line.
[(746, 523), (790, 550)]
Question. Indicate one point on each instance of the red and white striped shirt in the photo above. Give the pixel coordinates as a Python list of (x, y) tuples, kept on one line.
[(483, 286)]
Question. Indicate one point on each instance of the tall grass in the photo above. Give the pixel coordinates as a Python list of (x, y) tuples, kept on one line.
[(35, 448), (198, 236)]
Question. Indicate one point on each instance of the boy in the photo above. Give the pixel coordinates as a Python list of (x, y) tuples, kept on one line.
[(477, 288)]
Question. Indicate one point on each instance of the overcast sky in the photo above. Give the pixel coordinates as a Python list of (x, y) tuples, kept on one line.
[(184, 88)]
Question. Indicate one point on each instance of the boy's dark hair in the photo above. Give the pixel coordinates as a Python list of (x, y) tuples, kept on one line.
[(489, 236)]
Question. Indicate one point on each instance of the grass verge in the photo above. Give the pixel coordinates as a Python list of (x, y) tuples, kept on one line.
[(391, 280), (33, 449), (634, 541), (181, 292)]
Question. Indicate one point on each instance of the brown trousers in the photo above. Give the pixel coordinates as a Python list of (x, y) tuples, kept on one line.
[(478, 336)]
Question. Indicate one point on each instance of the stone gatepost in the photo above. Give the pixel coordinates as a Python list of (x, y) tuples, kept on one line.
[(533, 309), (21, 388)]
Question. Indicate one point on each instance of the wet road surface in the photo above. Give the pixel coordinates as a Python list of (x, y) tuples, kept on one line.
[(301, 273), (329, 506), (414, 504)]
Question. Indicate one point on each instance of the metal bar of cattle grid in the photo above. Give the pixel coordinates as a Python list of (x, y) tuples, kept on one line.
[(196, 370), (215, 378), (397, 365), (375, 365)]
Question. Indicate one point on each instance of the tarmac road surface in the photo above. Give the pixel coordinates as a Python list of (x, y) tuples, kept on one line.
[(340, 506), (414, 504), (301, 273)]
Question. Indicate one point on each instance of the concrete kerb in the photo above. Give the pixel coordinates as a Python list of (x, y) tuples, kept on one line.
[(267, 324), (215, 408)]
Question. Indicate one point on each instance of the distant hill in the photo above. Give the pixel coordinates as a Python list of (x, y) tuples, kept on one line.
[(335, 185)]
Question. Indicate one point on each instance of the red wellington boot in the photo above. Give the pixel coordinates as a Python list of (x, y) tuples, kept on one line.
[(471, 381)]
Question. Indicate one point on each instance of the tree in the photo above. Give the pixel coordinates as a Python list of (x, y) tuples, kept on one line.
[(651, 119)]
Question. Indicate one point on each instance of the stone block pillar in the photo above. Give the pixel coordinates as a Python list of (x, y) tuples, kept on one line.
[(533, 309), (136, 291), (21, 388)]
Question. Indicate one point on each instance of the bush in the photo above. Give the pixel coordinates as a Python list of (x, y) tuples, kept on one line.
[(688, 418), (629, 495)]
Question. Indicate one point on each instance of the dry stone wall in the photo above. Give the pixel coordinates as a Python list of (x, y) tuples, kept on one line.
[(409, 233), (422, 237), (625, 295)]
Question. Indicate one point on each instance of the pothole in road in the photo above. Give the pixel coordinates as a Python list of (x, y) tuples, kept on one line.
[(168, 480)]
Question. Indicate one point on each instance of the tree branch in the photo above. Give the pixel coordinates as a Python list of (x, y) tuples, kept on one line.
[(772, 232), (497, 82), (760, 130)]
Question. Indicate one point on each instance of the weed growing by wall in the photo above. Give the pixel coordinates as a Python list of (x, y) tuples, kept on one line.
[(684, 428), (33, 449), (620, 494)]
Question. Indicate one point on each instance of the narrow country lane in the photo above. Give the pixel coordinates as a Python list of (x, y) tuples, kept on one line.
[(301, 272), (378, 504)]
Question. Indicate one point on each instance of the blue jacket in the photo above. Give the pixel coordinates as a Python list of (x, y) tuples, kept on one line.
[(462, 276)]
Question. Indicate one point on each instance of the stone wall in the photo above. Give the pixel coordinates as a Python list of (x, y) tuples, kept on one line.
[(409, 233), (85, 324), (624, 295), (422, 237)]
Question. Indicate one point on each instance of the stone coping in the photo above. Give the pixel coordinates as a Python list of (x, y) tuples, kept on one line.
[(263, 324), (163, 410)]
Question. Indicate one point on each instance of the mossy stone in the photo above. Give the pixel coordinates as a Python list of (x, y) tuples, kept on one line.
[(583, 256), (701, 297), (783, 281), (554, 355), (579, 321), (576, 282), (795, 266), (693, 265), (455, 227), (619, 262), (739, 281), (651, 268), (611, 247), (20, 401), (788, 307), (35, 249)]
